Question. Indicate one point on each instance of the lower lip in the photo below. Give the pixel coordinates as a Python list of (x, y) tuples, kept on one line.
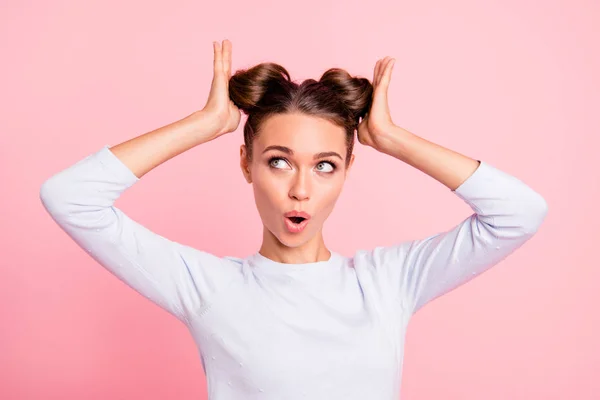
[(295, 228)]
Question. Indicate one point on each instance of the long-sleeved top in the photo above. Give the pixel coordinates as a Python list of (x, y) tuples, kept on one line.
[(267, 330)]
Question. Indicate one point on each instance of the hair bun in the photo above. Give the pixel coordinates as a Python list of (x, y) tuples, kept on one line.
[(355, 92), (247, 87)]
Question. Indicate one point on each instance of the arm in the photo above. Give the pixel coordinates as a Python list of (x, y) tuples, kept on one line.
[(507, 213), (442, 164), (81, 199), (145, 152)]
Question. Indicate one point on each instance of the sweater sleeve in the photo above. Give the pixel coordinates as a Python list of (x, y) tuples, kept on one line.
[(178, 278), (507, 213)]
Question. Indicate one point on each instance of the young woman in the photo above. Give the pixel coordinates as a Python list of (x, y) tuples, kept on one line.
[(295, 319)]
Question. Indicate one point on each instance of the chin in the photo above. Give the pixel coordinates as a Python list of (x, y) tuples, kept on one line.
[(289, 239)]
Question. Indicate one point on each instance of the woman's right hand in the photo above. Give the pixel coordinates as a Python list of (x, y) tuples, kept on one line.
[(223, 114)]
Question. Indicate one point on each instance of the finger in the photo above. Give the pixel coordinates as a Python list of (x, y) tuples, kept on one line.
[(387, 73), (383, 69), (226, 57), (359, 136), (218, 63), (379, 69), (376, 71)]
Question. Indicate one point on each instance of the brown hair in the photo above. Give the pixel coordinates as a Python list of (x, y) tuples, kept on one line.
[(266, 89)]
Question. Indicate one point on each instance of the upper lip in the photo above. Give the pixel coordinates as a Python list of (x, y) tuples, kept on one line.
[(295, 213)]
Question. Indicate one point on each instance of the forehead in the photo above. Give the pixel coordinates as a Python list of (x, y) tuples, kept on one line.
[(302, 133)]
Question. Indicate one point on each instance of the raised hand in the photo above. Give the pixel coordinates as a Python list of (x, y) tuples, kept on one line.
[(374, 127), (219, 108)]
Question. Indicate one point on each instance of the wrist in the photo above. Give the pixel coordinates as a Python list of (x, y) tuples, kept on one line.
[(393, 140), (203, 125)]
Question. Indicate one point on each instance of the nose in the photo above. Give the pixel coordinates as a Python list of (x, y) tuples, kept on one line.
[(300, 188)]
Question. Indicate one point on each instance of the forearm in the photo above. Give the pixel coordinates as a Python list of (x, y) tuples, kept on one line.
[(147, 151), (444, 165)]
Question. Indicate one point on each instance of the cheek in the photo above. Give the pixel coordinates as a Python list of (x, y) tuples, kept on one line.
[(325, 198), (267, 197), (328, 202)]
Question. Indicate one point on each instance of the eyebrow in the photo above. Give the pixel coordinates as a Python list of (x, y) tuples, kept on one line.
[(289, 151)]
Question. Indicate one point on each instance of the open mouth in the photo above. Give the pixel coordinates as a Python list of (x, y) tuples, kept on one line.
[(296, 220), (296, 224)]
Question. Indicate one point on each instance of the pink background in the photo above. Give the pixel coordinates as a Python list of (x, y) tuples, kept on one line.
[(514, 83)]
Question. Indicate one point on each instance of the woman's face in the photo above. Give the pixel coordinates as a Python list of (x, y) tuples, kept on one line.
[(305, 172)]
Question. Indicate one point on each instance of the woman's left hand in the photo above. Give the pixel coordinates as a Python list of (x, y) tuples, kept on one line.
[(376, 127)]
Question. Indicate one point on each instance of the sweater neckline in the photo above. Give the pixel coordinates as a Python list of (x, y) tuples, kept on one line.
[(262, 263)]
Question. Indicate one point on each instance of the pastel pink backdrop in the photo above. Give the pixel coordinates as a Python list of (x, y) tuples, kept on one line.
[(514, 83)]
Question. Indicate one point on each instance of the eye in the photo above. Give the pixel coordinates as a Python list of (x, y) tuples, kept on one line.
[(331, 165), (271, 163)]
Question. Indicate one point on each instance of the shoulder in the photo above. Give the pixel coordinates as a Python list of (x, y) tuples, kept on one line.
[(207, 260), (381, 256)]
